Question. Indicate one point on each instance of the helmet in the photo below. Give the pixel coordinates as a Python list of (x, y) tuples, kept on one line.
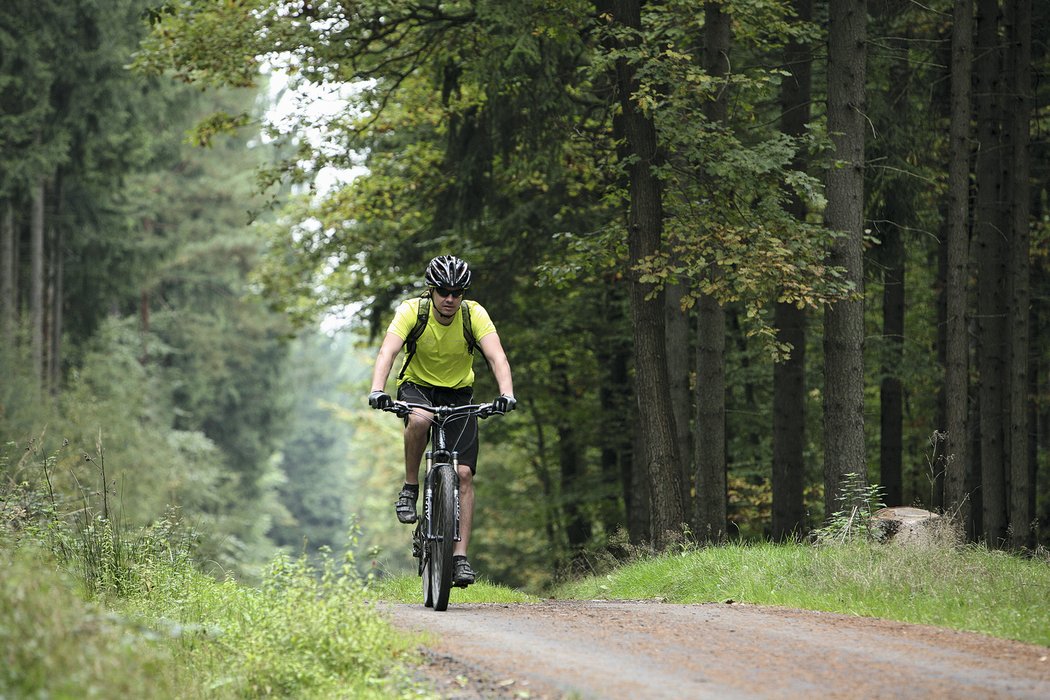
[(448, 271)]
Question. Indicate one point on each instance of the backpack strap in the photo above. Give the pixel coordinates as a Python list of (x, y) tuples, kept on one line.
[(468, 330), (422, 316)]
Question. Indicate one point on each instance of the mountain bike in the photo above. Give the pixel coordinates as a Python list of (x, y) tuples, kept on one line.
[(437, 531)]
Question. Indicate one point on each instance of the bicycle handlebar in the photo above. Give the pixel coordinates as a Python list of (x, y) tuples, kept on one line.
[(441, 413)]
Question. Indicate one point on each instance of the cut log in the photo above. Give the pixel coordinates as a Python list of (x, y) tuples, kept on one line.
[(907, 525)]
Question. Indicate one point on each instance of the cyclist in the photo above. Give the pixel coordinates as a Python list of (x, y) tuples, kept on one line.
[(438, 370)]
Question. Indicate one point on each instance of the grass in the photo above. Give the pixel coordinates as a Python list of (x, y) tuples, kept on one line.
[(304, 632), (53, 644), (408, 589), (966, 588)]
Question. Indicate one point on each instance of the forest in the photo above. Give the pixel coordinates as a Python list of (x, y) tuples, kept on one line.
[(752, 261)]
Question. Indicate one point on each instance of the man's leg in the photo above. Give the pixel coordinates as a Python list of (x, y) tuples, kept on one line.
[(415, 444), (466, 509), (416, 436), (463, 574)]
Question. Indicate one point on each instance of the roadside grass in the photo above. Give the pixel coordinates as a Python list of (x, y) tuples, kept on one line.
[(967, 588), (303, 632), (53, 644), (408, 589)]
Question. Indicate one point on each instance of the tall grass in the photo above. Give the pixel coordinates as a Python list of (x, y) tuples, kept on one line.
[(305, 632), (967, 588), (53, 644), (91, 609)]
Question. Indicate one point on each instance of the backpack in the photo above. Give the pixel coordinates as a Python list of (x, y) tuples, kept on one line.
[(422, 317)]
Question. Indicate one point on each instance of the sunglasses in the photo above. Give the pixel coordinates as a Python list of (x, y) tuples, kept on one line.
[(454, 293)]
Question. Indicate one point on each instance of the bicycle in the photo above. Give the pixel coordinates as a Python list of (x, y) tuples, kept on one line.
[(437, 530)]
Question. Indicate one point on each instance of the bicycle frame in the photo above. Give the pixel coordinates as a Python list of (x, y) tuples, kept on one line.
[(437, 459), (430, 539)]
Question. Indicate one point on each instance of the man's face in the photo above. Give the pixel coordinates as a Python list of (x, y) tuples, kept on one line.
[(447, 301)]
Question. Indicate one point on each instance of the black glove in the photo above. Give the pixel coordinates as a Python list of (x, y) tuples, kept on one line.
[(504, 404), (380, 400)]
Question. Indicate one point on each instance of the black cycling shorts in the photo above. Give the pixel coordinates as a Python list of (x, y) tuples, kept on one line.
[(461, 432)]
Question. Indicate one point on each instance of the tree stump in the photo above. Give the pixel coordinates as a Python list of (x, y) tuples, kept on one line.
[(907, 525)]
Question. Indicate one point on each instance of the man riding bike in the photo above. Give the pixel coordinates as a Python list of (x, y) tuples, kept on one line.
[(441, 330)]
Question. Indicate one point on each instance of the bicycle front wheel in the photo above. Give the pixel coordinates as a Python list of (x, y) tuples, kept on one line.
[(444, 530)]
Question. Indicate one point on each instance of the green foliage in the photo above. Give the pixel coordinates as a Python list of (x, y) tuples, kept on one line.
[(505, 153), (857, 502)]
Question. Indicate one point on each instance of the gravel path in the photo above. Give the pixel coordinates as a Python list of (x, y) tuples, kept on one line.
[(599, 649)]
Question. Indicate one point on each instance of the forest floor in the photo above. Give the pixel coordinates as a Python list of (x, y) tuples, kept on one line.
[(615, 649)]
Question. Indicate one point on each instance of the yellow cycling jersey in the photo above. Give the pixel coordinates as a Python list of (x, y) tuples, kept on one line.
[(441, 357)]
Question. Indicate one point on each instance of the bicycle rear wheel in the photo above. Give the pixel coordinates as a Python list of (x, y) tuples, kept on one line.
[(444, 529)]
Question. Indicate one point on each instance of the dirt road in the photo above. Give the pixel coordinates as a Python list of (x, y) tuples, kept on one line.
[(594, 649)]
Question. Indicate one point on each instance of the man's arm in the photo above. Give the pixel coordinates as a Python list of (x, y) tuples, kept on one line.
[(492, 348), (391, 346)]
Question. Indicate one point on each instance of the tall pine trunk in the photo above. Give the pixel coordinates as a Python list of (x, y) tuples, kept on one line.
[(899, 213), (1019, 55), (36, 281), (7, 275), (844, 451), (55, 295), (789, 376), (678, 372), (991, 261), (711, 516), (957, 342), (645, 230), (891, 393)]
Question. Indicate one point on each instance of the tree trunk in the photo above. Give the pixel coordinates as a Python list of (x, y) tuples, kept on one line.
[(36, 281), (616, 397), (988, 233), (678, 372), (789, 376), (891, 394), (711, 517), (577, 528), (957, 342), (899, 213), (7, 275), (844, 451), (1019, 55), (645, 230), (711, 499), (56, 294)]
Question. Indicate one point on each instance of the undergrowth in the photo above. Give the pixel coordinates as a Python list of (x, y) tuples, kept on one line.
[(89, 608)]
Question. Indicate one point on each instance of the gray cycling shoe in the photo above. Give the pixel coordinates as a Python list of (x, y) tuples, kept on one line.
[(405, 507), (462, 573)]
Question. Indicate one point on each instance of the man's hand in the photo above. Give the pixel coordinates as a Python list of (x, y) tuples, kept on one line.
[(380, 400), (504, 404)]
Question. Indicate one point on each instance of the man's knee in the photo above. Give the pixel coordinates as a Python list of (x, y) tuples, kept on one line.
[(416, 425)]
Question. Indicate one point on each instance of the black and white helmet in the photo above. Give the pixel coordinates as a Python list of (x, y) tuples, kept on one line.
[(449, 272)]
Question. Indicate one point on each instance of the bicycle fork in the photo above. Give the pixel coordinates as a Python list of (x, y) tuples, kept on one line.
[(428, 497)]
